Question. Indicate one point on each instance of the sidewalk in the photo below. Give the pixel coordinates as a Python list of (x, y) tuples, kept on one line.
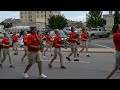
[(91, 50)]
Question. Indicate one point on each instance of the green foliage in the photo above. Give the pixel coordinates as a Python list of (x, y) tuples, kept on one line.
[(116, 17), (57, 22), (94, 19)]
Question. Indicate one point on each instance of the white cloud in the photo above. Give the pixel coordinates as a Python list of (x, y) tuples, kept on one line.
[(9, 14), (82, 16), (78, 18)]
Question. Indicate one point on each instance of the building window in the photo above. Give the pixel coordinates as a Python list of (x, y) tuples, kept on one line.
[(41, 11), (37, 12), (31, 16), (37, 16), (21, 16), (25, 12), (25, 16), (41, 15), (29, 12), (21, 12), (50, 11), (31, 19)]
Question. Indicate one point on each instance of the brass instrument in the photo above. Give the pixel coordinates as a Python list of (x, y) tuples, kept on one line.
[(52, 43), (42, 44), (78, 39), (65, 43)]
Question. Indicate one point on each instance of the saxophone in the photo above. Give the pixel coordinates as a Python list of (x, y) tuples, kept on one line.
[(42, 44), (65, 42), (78, 39)]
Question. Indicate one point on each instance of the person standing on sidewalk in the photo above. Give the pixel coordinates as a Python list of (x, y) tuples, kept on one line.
[(116, 40), (25, 45), (33, 43), (6, 50), (84, 41), (73, 39), (15, 43), (48, 43), (57, 50)]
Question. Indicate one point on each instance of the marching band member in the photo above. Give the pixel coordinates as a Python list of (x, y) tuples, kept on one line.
[(116, 40), (73, 39), (0, 49), (57, 50), (33, 43), (15, 43), (25, 45), (6, 50), (48, 43), (84, 41)]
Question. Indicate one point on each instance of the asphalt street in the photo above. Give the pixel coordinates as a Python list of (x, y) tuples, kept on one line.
[(95, 67), (102, 43)]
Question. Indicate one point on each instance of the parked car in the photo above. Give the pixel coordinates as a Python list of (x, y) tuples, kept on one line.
[(67, 31), (98, 32), (63, 35)]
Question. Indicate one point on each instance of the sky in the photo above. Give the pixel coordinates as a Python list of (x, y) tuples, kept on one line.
[(71, 15)]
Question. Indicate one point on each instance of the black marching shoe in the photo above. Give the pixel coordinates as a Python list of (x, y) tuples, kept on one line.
[(51, 54), (63, 67), (68, 58), (11, 66), (0, 65), (88, 55), (76, 60)]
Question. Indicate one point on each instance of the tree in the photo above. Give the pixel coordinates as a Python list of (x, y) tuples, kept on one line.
[(116, 17), (94, 19), (57, 21), (102, 22)]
